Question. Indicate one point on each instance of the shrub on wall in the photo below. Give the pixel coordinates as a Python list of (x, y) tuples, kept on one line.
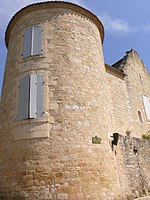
[(146, 136), (128, 132)]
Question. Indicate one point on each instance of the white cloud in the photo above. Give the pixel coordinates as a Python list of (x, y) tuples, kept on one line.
[(115, 25)]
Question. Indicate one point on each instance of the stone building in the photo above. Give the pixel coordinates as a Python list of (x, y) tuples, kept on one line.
[(61, 106)]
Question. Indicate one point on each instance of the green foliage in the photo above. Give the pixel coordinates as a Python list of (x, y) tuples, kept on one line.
[(146, 136), (128, 132), (96, 140)]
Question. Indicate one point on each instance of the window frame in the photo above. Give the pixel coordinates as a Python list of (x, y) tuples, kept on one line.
[(32, 42)]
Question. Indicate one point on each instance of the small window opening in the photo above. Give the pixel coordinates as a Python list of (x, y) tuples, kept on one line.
[(140, 116)]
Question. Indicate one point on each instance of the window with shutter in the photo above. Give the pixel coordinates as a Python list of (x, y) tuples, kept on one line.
[(27, 43), (146, 106), (31, 101), (32, 41)]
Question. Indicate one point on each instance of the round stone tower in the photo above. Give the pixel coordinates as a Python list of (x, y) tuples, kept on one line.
[(55, 114)]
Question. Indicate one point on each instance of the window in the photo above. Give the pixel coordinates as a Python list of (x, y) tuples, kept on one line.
[(146, 106), (140, 116), (32, 41), (31, 97)]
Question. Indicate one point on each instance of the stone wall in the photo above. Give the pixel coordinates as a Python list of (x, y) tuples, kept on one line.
[(53, 157), (66, 154), (119, 101), (137, 83), (126, 95), (133, 166)]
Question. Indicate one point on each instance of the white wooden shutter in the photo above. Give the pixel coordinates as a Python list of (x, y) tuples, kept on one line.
[(33, 96), (36, 96), (37, 40), (146, 106), (40, 96), (27, 43), (23, 107)]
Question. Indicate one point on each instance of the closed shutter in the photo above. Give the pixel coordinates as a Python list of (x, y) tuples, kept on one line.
[(27, 43), (40, 96), (31, 100), (33, 96), (36, 96), (32, 41), (37, 40), (23, 108), (146, 106)]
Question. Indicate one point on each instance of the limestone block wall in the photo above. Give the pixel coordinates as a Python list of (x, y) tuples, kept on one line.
[(53, 157), (127, 91), (67, 154), (137, 83), (119, 100), (132, 158)]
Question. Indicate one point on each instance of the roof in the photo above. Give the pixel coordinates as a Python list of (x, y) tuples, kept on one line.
[(53, 4), (118, 65), (114, 70)]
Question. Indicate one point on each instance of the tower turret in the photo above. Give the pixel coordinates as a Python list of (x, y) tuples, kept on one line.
[(54, 129)]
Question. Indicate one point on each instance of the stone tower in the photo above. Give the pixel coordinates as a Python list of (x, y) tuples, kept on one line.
[(54, 112)]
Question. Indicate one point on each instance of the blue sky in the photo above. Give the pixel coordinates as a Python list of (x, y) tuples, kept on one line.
[(127, 25)]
